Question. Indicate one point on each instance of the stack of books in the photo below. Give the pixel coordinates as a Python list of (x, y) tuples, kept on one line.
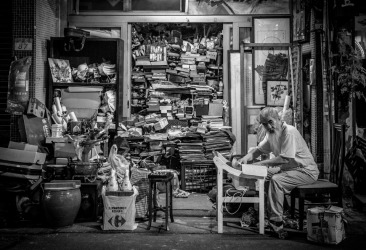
[(192, 150), (217, 141)]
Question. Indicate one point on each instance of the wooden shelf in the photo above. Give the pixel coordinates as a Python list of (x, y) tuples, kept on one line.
[(72, 84)]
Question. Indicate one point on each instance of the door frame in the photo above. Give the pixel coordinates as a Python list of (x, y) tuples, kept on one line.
[(123, 22)]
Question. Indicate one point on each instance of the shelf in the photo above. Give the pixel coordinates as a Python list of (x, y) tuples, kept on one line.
[(96, 50), (71, 84), (139, 106), (267, 44)]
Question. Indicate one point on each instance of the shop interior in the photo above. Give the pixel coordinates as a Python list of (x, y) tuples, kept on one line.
[(140, 114)]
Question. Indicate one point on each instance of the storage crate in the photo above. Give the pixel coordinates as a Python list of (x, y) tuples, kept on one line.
[(198, 176)]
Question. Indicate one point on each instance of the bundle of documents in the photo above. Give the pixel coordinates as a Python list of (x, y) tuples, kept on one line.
[(216, 141)]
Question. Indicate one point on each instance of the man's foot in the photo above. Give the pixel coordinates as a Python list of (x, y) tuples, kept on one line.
[(277, 230), (282, 234)]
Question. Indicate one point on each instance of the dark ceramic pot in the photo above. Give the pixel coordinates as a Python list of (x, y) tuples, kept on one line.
[(61, 205)]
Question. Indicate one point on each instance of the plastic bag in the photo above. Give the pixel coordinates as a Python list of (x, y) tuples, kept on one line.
[(18, 86), (121, 166), (110, 98)]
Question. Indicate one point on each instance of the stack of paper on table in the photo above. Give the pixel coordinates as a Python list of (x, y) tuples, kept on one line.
[(250, 170)]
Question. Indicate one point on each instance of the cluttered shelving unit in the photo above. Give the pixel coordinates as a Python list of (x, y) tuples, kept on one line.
[(98, 64), (176, 65)]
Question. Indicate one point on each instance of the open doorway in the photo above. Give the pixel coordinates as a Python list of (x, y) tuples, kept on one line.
[(177, 74)]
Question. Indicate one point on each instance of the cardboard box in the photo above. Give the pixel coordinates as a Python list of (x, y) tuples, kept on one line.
[(35, 107), (56, 139), (215, 109), (22, 146), (325, 225), (16, 155), (162, 123), (64, 149), (201, 109)]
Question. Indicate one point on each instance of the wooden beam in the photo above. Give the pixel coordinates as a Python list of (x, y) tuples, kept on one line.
[(107, 20)]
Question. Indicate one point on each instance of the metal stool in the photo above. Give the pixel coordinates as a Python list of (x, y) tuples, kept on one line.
[(166, 178)]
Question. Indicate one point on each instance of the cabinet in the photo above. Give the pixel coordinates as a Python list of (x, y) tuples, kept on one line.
[(96, 50)]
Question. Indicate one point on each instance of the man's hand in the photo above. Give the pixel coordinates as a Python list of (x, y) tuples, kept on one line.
[(246, 159)]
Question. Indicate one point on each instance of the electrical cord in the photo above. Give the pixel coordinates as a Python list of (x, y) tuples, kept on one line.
[(240, 194)]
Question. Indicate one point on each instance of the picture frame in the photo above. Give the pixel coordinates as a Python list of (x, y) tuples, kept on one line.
[(60, 70), (276, 92), (269, 30)]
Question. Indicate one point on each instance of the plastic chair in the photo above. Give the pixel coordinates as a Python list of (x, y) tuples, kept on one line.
[(221, 164)]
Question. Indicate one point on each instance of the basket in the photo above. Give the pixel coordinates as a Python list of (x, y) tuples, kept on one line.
[(198, 176)]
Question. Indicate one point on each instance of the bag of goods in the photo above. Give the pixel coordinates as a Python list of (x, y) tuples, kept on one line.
[(18, 86), (119, 211), (326, 225)]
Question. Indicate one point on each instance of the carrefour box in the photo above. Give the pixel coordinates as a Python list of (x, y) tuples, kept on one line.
[(325, 225), (119, 211)]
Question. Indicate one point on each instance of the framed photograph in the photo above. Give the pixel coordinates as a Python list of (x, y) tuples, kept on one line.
[(276, 92), (269, 63), (60, 70)]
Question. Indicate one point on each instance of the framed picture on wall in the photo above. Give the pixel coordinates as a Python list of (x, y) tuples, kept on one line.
[(276, 92), (269, 62)]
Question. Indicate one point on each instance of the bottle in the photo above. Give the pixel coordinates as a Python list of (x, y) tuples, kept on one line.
[(221, 86)]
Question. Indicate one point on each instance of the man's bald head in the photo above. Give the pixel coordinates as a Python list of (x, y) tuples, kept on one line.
[(269, 112), (270, 119)]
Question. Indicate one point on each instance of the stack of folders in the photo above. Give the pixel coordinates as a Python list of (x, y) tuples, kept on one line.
[(217, 141), (191, 147)]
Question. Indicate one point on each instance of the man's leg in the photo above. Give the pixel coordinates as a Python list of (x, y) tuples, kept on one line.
[(279, 185)]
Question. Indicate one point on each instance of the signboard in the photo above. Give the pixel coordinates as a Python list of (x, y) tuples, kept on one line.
[(23, 43)]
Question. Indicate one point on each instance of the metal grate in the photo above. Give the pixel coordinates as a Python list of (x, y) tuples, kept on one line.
[(198, 176), (5, 60), (316, 91), (36, 20)]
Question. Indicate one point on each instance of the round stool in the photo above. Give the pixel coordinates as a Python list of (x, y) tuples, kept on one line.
[(166, 178)]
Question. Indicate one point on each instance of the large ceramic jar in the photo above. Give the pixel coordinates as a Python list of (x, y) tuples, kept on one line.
[(61, 203)]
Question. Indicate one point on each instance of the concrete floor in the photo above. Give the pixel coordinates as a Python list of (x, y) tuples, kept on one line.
[(195, 227)]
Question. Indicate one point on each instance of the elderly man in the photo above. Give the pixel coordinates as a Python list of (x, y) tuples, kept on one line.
[(292, 156)]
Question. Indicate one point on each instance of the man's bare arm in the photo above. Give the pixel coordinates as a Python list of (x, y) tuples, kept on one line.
[(279, 160)]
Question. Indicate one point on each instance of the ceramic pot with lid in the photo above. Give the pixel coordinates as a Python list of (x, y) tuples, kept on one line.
[(61, 202)]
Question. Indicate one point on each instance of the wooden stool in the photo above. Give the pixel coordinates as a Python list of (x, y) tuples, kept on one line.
[(166, 178)]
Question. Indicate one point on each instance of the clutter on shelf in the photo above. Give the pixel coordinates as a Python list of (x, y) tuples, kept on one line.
[(62, 72), (174, 63)]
